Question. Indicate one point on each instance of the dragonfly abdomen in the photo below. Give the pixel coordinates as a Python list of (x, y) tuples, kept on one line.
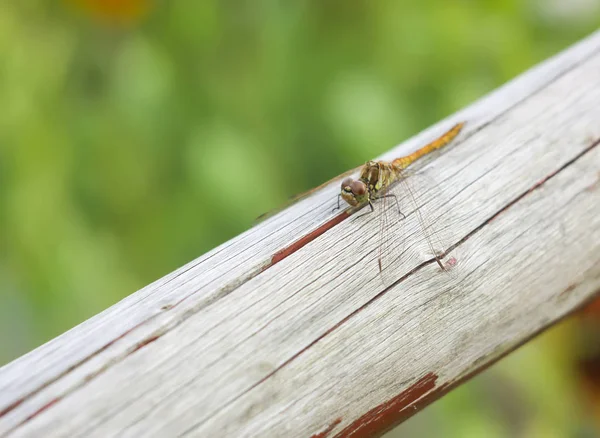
[(404, 162)]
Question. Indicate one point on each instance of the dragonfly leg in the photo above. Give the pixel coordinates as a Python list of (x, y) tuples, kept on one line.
[(338, 205), (391, 195), (371, 210), (439, 262)]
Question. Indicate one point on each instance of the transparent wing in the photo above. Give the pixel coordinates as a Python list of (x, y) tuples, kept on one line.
[(391, 231), (303, 195), (422, 232)]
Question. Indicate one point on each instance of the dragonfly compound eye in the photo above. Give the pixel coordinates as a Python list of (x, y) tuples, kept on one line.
[(358, 188), (347, 183)]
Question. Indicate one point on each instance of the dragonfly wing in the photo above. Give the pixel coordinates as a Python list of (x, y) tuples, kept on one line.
[(436, 220), (425, 234), (303, 195), (391, 234)]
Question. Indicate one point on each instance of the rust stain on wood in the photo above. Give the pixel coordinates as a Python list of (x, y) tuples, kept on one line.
[(595, 185), (327, 431), (303, 241), (11, 406), (391, 413), (145, 342), (39, 411), (434, 393), (385, 416), (43, 408), (566, 292)]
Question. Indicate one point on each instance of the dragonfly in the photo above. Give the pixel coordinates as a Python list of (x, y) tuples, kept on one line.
[(376, 178)]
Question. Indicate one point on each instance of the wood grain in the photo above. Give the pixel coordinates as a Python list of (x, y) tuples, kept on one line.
[(290, 329)]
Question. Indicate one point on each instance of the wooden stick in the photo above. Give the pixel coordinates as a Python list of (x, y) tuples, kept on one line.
[(290, 330)]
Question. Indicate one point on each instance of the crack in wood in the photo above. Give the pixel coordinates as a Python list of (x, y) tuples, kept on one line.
[(84, 381), (67, 371), (520, 197)]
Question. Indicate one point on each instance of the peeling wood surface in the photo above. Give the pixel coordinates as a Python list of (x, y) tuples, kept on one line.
[(290, 329)]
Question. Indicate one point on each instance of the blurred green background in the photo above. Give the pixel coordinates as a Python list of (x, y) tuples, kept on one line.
[(137, 135)]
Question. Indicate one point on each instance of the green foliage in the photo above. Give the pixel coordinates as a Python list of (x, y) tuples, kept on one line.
[(126, 151)]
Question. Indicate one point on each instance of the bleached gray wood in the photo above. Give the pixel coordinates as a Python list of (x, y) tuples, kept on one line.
[(223, 346)]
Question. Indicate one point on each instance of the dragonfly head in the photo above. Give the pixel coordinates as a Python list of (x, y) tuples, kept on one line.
[(354, 192)]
